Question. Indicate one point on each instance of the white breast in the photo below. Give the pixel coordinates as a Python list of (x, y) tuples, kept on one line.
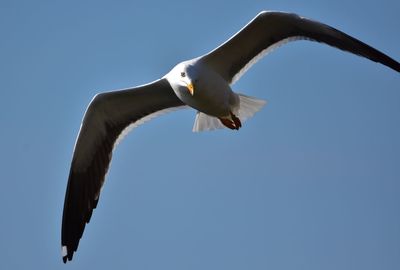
[(212, 94)]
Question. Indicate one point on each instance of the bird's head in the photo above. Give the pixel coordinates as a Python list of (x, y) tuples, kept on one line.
[(183, 79)]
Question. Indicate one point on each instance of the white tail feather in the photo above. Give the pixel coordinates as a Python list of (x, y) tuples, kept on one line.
[(248, 106), (205, 122)]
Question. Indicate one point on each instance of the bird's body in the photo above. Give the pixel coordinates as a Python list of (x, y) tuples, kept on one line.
[(203, 83), (213, 94)]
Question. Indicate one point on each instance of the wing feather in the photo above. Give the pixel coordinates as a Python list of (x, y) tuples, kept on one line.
[(270, 29), (107, 116)]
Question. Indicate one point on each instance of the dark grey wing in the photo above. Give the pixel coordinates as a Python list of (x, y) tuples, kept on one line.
[(271, 29), (107, 117)]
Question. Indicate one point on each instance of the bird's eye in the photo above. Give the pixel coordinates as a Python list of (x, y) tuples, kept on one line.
[(183, 74)]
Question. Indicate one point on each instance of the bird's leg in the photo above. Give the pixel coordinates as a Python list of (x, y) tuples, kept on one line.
[(236, 120), (232, 121)]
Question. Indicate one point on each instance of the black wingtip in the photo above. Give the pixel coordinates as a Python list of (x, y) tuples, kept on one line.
[(396, 66), (67, 257), (67, 254), (389, 62)]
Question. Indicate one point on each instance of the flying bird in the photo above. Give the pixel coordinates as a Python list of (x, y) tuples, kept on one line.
[(203, 83)]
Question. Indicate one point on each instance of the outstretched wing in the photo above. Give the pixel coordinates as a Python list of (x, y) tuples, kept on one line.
[(271, 29), (106, 120)]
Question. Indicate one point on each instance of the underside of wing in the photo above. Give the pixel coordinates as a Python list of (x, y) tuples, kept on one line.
[(271, 29), (105, 120)]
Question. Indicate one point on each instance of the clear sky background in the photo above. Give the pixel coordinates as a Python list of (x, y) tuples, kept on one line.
[(311, 182)]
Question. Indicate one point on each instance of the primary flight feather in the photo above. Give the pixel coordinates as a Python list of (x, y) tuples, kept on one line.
[(202, 83)]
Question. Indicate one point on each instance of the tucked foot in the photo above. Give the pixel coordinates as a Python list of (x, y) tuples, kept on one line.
[(236, 120), (232, 121)]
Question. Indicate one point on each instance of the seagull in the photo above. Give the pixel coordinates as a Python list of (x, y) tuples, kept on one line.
[(203, 83)]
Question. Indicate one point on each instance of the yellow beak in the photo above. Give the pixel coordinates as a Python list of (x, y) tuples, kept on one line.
[(190, 88)]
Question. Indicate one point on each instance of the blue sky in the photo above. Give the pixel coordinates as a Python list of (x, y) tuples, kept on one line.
[(311, 182)]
